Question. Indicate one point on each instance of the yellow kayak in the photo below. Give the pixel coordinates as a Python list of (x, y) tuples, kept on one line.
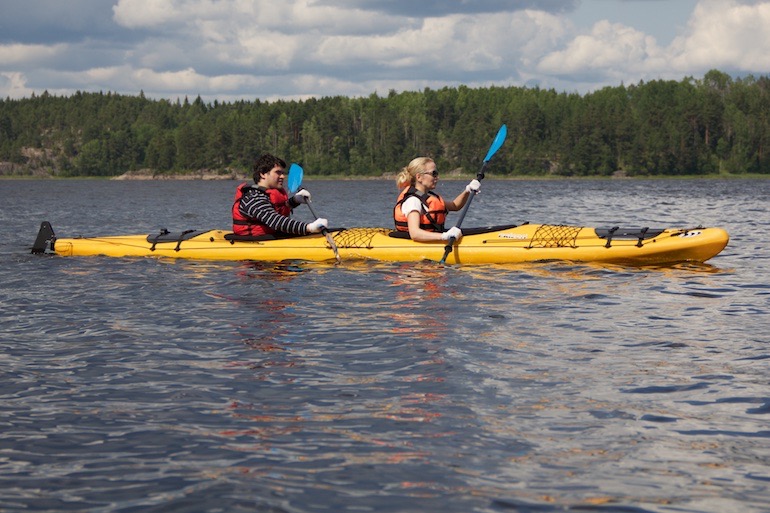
[(487, 245)]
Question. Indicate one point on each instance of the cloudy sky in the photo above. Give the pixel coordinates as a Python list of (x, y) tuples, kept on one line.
[(294, 49)]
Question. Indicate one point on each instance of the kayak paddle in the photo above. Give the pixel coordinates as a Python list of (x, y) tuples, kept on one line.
[(496, 144), (296, 173), (295, 177)]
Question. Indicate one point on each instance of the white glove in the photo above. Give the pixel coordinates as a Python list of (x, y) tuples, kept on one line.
[(452, 232), (317, 225), (302, 196), (473, 186)]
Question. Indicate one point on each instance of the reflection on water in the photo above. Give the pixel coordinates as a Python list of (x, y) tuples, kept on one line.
[(161, 385)]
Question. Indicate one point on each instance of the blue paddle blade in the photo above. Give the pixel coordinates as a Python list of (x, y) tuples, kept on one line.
[(295, 177), (499, 140)]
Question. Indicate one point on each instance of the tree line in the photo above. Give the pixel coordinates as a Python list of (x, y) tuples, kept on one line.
[(714, 125)]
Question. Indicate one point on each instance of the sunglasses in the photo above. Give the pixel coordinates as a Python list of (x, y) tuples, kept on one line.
[(433, 173)]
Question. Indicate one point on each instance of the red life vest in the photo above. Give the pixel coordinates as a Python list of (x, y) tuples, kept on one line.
[(432, 215), (243, 225)]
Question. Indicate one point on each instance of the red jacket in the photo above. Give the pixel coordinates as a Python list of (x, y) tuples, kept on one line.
[(243, 225)]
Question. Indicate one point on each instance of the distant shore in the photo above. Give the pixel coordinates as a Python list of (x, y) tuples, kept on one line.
[(145, 174)]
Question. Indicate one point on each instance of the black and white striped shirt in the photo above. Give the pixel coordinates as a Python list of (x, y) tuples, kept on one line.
[(255, 204)]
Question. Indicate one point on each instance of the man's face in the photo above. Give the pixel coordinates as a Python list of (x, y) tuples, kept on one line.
[(274, 179)]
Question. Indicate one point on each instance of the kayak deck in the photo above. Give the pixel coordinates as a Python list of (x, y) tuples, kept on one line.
[(485, 245)]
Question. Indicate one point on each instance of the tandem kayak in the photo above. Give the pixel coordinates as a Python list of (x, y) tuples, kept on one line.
[(487, 245)]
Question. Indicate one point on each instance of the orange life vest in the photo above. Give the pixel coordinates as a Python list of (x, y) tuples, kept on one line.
[(243, 225), (432, 215)]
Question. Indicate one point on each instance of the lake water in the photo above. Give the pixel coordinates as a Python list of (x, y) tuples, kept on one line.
[(152, 385)]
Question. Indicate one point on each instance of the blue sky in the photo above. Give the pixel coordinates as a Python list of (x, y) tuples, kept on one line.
[(231, 50), (662, 19)]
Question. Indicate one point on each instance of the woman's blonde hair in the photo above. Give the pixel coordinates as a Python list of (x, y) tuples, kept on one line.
[(408, 175)]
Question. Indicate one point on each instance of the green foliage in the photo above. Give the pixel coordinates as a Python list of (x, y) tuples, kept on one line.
[(713, 125)]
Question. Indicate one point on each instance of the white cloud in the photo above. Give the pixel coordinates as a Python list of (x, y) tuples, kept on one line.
[(480, 47), (725, 34), (185, 80), (300, 48), (722, 34), (143, 13), (311, 18), (610, 47), (13, 85), (537, 33), (20, 54)]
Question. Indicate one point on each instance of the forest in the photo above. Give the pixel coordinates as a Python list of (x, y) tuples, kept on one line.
[(716, 125)]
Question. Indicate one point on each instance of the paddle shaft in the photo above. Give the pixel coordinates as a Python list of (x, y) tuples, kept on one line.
[(463, 211), (328, 235), (296, 173), (496, 144), (479, 177)]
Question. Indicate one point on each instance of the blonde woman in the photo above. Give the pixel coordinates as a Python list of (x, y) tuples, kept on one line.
[(419, 210)]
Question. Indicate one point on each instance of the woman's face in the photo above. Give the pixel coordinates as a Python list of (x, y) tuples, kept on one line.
[(427, 179)]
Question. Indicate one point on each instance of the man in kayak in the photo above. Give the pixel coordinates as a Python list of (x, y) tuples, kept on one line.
[(419, 210), (264, 208)]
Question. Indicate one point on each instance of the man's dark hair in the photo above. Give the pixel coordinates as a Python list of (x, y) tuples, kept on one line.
[(265, 163)]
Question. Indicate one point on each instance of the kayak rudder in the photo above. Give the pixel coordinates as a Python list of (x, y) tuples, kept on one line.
[(45, 240)]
